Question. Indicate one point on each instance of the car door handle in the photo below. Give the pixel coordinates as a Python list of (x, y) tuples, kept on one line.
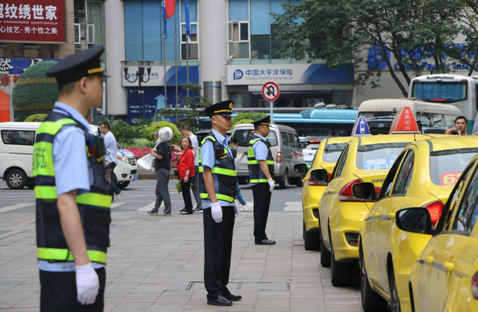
[(430, 259), (391, 215), (449, 266), (376, 215)]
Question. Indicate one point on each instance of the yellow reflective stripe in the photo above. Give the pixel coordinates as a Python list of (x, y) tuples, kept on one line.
[(94, 199), (223, 171), (43, 159), (252, 162), (250, 152), (52, 127), (208, 137), (63, 254), (218, 196), (201, 169), (258, 181), (45, 192), (270, 162)]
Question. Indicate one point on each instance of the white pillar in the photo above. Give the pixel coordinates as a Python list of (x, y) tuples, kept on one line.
[(212, 41), (115, 52)]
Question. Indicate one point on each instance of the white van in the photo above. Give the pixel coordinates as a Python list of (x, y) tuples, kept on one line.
[(286, 150), (16, 156), (438, 116)]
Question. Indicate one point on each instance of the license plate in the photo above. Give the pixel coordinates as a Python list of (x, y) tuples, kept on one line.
[(135, 177)]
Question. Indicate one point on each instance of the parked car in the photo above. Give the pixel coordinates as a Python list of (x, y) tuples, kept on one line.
[(286, 150), (16, 156)]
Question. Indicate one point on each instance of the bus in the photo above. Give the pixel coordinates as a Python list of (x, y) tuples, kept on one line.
[(456, 90)]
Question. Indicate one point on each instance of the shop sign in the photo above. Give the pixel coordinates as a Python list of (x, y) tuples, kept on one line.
[(32, 21)]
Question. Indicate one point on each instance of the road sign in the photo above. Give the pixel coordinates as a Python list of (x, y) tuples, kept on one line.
[(270, 91)]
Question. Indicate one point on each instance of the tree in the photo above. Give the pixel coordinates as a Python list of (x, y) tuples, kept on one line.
[(193, 107), (347, 29), (246, 116)]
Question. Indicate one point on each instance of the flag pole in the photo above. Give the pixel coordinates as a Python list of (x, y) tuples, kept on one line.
[(176, 53)]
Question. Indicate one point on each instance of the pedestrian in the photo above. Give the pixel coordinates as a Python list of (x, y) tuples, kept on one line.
[(461, 125), (261, 171), (72, 193), (218, 191), (186, 131), (162, 166), (239, 156), (111, 159), (186, 172)]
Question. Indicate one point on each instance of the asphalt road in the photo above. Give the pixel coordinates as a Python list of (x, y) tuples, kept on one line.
[(140, 196)]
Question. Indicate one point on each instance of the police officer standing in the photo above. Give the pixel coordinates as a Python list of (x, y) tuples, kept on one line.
[(72, 193), (217, 187), (261, 171)]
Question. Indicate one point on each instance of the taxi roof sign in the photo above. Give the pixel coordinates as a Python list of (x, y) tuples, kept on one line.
[(361, 127), (404, 122)]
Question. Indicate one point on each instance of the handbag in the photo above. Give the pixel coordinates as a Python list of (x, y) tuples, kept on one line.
[(179, 187)]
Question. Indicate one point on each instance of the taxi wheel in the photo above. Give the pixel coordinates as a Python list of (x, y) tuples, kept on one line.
[(341, 272), (371, 301), (395, 301), (324, 254), (16, 179), (312, 241), (122, 185), (284, 184)]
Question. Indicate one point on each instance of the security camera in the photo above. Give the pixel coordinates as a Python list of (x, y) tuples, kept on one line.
[(231, 57)]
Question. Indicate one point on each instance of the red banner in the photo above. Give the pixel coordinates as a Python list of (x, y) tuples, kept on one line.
[(32, 20)]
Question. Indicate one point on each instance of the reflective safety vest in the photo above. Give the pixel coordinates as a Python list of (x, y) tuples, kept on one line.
[(223, 173), (255, 173), (93, 206)]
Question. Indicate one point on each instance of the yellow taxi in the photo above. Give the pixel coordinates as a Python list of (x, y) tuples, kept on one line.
[(364, 159), (422, 176), (444, 276), (325, 158)]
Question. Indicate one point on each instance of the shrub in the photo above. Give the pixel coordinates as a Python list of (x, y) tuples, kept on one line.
[(34, 92), (138, 143), (36, 118), (252, 116), (243, 121), (148, 133)]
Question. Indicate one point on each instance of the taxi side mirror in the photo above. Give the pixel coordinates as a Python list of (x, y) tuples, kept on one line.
[(300, 168), (364, 190), (415, 220), (320, 175)]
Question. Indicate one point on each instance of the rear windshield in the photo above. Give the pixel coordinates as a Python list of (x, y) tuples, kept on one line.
[(332, 152), (244, 136), (446, 166), (378, 156), (440, 91)]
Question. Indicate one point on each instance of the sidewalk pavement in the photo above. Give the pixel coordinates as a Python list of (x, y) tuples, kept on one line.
[(156, 264)]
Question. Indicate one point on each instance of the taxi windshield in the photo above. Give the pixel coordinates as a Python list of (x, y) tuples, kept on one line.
[(378, 156), (332, 152), (449, 164)]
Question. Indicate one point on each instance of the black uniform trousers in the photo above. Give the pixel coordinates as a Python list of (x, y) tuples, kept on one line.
[(217, 251), (262, 200), (58, 292)]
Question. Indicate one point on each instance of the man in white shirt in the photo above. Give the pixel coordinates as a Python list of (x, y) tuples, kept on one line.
[(111, 158)]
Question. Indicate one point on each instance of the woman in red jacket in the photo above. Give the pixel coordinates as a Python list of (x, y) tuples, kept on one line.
[(186, 173)]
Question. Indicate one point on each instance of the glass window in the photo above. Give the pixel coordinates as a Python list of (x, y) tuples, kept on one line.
[(446, 166), (291, 140), (332, 152), (341, 164), (378, 156), (260, 47), (238, 10), (404, 176), (467, 213), (244, 136), (442, 92), (285, 139), (17, 137)]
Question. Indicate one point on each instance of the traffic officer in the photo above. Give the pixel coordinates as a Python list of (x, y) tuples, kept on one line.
[(261, 171), (72, 193), (217, 187)]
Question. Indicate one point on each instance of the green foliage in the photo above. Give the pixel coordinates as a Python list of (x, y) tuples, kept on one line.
[(193, 107), (124, 132), (36, 118), (243, 121), (341, 32), (248, 116), (139, 143), (34, 92), (148, 133)]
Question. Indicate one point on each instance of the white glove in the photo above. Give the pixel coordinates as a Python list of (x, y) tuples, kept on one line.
[(87, 283), (271, 184), (236, 208), (216, 212)]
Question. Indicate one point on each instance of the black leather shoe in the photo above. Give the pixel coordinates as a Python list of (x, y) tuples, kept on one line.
[(266, 242), (232, 297), (220, 301), (185, 212), (184, 209)]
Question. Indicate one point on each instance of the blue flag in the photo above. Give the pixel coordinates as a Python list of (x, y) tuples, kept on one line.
[(188, 22), (163, 8)]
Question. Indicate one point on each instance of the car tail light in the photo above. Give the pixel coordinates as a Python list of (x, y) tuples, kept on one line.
[(315, 211), (279, 158), (474, 286), (435, 209), (377, 191), (352, 238), (345, 194), (312, 182)]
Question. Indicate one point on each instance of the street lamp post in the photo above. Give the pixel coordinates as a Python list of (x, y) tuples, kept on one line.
[(142, 65)]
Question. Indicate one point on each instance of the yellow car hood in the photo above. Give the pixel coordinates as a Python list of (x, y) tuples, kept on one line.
[(441, 192)]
